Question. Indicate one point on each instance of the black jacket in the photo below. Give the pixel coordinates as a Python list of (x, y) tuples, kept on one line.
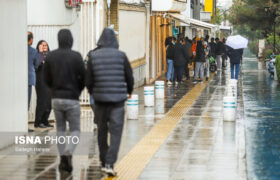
[(213, 46), (170, 52), (109, 74), (219, 48), (235, 55), (181, 55), (64, 70), (200, 53)]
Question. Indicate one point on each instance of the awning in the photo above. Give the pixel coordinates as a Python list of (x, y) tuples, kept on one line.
[(190, 21)]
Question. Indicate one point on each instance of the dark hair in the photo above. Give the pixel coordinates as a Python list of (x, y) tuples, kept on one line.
[(65, 38), (212, 39), (173, 38), (40, 42), (168, 41), (182, 39), (217, 39), (29, 36)]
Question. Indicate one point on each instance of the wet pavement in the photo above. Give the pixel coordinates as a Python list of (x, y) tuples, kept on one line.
[(202, 146), (262, 114), (42, 166)]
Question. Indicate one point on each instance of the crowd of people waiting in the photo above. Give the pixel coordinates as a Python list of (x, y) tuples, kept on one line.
[(183, 53)]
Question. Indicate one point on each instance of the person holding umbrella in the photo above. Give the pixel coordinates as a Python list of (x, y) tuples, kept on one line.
[(236, 45), (235, 56)]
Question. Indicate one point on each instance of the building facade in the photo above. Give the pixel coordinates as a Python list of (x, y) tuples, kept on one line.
[(13, 68)]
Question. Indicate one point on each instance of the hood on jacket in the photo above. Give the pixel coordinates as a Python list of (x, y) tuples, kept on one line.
[(108, 39), (65, 38)]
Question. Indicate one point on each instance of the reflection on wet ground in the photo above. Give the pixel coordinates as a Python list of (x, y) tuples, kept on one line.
[(262, 113), (202, 146), (42, 166)]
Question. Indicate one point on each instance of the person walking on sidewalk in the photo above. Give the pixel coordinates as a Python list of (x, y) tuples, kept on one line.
[(218, 53), (181, 58), (199, 63), (43, 108), (109, 80), (188, 46), (207, 63), (32, 66), (235, 56), (170, 58), (64, 73), (224, 53)]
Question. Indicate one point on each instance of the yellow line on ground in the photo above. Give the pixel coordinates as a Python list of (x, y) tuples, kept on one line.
[(132, 165)]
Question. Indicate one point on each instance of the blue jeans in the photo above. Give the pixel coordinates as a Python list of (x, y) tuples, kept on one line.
[(170, 70), (236, 68)]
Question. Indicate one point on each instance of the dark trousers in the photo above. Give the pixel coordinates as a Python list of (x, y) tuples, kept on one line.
[(29, 95), (178, 73), (109, 118), (43, 108), (187, 72)]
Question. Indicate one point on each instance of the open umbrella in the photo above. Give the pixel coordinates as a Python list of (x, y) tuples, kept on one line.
[(237, 42)]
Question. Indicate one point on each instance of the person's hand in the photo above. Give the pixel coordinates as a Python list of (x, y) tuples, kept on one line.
[(40, 48), (129, 96)]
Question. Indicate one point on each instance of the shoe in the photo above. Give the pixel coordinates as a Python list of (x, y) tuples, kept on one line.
[(63, 162), (169, 83), (207, 78), (109, 170), (49, 125), (40, 126), (194, 81), (66, 163)]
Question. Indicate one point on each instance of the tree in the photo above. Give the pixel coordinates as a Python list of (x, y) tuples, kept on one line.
[(218, 17), (251, 13)]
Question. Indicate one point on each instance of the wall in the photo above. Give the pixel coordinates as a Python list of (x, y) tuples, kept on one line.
[(132, 35), (188, 11), (13, 66), (45, 25)]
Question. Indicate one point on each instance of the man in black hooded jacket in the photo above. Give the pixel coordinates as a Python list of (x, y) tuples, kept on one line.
[(64, 73), (109, 80)]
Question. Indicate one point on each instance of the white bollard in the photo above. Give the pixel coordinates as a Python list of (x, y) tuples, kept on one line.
[(232, 84), (149, 96), (229, 108), (159, 89), (132, 107)]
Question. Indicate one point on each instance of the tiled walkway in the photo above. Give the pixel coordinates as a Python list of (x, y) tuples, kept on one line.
[(199, 146), (202, 146)]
